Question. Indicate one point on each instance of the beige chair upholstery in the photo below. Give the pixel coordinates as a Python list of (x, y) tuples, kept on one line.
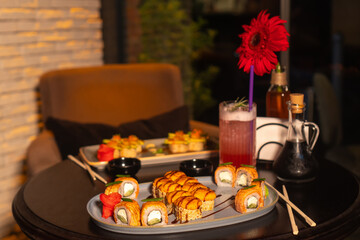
[(109, 94)]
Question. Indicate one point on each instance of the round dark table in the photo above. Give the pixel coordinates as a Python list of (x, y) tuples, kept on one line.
[(52, 205)]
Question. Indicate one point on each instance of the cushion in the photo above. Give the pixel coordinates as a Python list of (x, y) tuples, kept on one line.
[(70, 136)]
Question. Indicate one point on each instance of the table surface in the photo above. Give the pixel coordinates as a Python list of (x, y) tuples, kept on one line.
[(52, 205)]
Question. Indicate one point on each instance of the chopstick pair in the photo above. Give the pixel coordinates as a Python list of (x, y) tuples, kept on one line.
[(291, 215), (92, 174), (307, 219)]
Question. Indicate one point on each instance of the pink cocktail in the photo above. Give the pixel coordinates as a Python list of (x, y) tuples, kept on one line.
[(237, 134)]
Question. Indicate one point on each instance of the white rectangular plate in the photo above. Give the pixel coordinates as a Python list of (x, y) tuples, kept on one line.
[(224, 212), (89, 154)]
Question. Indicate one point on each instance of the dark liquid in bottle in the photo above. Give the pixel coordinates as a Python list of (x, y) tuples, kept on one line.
[(295, 163)]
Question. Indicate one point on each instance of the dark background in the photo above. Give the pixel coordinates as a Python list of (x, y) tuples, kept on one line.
[(324, 35)]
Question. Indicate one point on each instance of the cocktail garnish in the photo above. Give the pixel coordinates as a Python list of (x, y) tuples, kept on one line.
[(113, 183), (227, 163), (152, 199), (239, 103)]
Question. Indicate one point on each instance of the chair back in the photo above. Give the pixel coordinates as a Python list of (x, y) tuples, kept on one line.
[(329, 111), (111, 94)]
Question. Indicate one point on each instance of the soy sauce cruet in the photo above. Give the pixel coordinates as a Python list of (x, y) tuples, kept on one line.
[(296, 163)]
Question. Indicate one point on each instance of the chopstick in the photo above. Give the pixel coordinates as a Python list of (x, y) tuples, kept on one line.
[(93, 174), (291, 215), (307, 219)]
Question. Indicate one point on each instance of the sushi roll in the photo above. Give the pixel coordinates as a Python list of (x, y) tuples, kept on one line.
[(178, 142), (192, 186), (167, 188), (128, 187), (172, 197), (207, 196), (260, 182), (225, 176), (154, 213), (127, 213), (245, 175), (196, 140), (187, 208), (174, 175), (249, 199), (185, 179), (157, 183)]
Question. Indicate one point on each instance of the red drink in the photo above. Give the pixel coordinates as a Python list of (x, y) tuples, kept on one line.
[(237, 134)]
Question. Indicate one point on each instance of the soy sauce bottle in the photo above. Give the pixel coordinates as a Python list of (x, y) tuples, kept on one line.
[(295, 163)]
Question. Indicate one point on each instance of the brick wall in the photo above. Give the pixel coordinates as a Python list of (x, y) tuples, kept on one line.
[(36, 36)]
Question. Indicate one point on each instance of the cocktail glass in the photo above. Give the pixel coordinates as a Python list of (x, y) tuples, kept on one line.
[(237, 133)]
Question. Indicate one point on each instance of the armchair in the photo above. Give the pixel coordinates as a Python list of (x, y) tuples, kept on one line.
[(108, 94)]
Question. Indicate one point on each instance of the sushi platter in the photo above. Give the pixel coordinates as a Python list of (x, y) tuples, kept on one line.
[(89, 154), (223, 214)]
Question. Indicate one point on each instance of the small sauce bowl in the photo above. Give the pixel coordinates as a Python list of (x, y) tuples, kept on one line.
[(197, 167), (124, 166)]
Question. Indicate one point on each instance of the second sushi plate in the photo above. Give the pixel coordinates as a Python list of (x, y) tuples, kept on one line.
[(224, 212)]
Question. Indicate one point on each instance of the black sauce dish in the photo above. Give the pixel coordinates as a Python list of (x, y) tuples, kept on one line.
[(124, 166), (197, 167)]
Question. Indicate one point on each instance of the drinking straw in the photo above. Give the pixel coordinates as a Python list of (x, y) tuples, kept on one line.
[(251, 87)]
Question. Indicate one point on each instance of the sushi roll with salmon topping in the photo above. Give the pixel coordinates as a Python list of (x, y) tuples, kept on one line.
[(245, 174), (249, 199), (172, 197), (185, 179), (128, 187), (167, 188), (174, 175), (192, 186), (260, 182), (157, 183), (225, 175), (207, 196), (127, 213), (154, 213), (187, 208)]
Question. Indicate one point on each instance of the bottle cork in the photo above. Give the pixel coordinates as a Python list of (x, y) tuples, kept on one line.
[(297, 102)]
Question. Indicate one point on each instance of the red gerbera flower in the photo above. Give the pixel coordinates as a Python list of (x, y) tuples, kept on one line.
[(260, 40)]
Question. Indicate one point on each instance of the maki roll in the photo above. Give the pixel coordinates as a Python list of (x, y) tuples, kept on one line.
[(185, 179), (225, 175), (187, 208), (196, 140), (192, 186), (260, 182), (157, 183), (168, 187), (172, 197), (174, 175), (249, 199), (178, 142), (154, 213), (127, 213), (245, 175), (207, 196), (128, 187)]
